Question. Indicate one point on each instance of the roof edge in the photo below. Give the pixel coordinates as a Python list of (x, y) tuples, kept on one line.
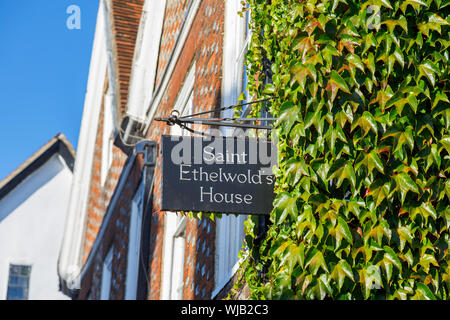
[(58, 144)]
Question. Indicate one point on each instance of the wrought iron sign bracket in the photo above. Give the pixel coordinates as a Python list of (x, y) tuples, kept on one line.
[(149, 149), (182, 121)]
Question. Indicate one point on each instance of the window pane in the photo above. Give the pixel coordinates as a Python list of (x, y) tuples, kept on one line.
[(22, 282), (18, 282), (13, 281), (25, 270)]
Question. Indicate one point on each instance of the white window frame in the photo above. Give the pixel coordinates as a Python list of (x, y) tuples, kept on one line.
[(179, 246), (175, 223), (235, 48), (229, 228), (240, 72), (134, 245), (108, 135), (145, 59), (105, 290), (173, 256)]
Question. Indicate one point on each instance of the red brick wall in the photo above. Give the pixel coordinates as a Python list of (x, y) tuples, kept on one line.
[(204, 46), (95, 207), (116, 236), (100, 195), (173, 18), (125, 17)]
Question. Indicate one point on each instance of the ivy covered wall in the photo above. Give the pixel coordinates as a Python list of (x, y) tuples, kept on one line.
[(362, 99)]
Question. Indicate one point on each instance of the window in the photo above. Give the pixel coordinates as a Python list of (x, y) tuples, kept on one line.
[(106, 276), (240, 73), (134, 245), (230, 229), (178, 244), (173, 258), (18, 282), (175, 224), (185, 103), (236, 42)]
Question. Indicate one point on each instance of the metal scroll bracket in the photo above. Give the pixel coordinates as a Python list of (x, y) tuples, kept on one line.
[(148, 149), (248, 123)]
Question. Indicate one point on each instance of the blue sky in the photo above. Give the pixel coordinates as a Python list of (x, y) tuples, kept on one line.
[(44, 69)]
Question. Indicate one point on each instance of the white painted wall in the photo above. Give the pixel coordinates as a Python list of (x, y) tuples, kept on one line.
[(32, 218)]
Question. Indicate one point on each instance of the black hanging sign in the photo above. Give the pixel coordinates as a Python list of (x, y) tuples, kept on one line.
[(217, 174)]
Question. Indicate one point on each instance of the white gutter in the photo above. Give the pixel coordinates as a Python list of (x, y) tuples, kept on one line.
[(113, 82), (70, 262)]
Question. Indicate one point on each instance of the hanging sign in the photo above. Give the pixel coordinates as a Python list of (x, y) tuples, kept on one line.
[(217, 174)]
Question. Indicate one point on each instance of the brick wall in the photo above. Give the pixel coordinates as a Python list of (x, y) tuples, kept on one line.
[(116, 236), (125, 17), (173, 18), (204, 46), (95, 207), (100, 195)]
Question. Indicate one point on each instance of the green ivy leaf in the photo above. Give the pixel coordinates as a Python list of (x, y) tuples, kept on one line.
[(405, 234), (285, 204), (401, 138), (440, 96), (423, 293), (445, 142), (323, 286), (408, 257), (336, 83), (380, 193), (405, 184), (416, 4), (299, 253), (315, 261), (429, 70), (356, 61), (390, 255), (426, 260), (340, 271), (295, 169), (342, 170), (434, 23), (370, 161), (289, 113), (344, 230), (366, 122)]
